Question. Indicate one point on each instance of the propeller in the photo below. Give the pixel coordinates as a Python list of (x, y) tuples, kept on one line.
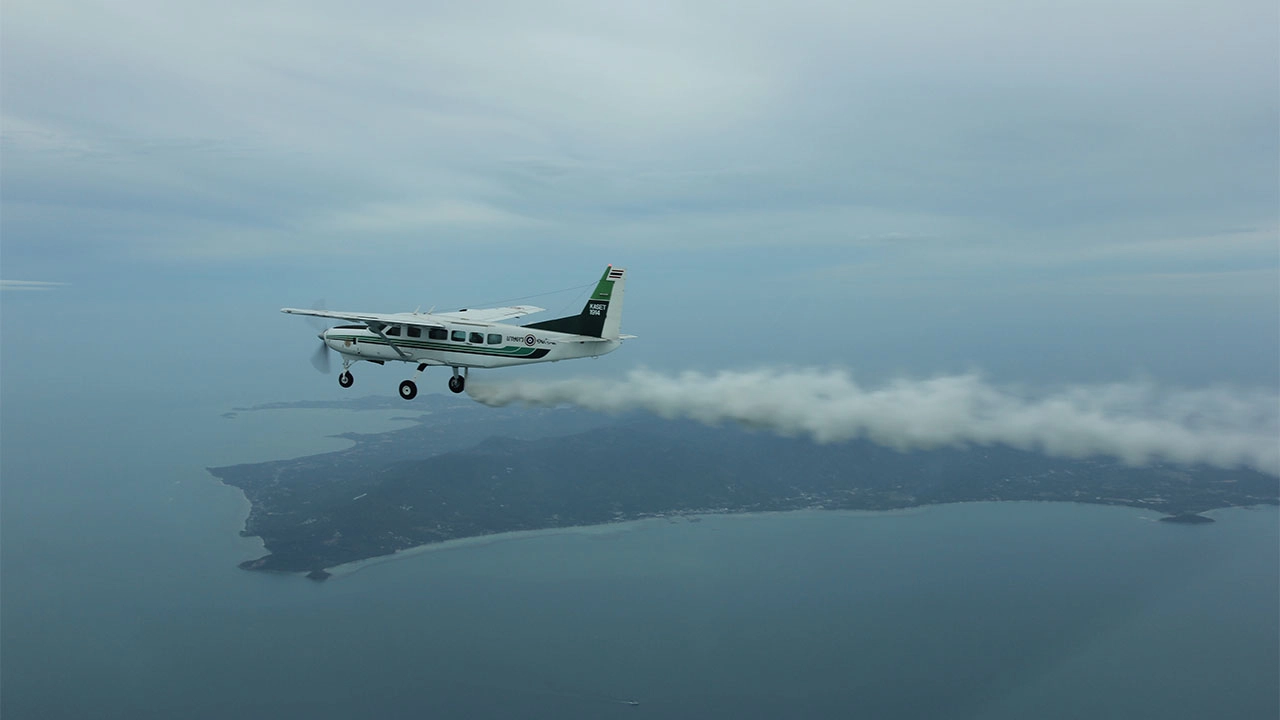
[(319, 359)]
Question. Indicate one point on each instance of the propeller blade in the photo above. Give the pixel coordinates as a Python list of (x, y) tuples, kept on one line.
[(319, 324), (320, 360)]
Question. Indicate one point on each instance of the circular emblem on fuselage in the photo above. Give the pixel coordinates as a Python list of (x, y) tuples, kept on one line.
[(530, 340)]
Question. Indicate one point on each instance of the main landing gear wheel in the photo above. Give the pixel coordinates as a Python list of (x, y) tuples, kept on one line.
[(345, 379), (408, 390), (457, 383)]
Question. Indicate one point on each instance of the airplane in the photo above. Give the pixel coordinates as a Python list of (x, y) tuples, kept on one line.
[(472, 338)]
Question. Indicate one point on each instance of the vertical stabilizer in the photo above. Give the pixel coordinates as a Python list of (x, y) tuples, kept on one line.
[(617, 277), (602, 315)]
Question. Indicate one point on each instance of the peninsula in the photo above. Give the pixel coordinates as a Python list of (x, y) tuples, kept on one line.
[(465, 470)]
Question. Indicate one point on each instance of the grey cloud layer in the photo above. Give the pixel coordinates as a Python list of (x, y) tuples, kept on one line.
[(308, 125)]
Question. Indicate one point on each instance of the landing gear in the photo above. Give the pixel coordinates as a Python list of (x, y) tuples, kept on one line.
[(458, 382), (345, 379), (409, 388)]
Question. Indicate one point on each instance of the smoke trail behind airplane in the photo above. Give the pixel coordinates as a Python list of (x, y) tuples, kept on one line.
[(1135, 422)]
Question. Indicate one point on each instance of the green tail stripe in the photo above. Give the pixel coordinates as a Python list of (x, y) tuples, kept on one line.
[(604, 288)]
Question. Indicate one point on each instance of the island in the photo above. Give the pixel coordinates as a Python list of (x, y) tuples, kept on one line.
[(464, 470)]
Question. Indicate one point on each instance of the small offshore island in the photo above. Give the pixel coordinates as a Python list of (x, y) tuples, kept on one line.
[(1187, 519), (465, 470)]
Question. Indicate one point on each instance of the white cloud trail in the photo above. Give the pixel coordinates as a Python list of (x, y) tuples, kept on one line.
[(1135, 422)]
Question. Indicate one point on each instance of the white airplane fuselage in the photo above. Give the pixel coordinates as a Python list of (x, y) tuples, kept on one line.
[(473, 338), (462, 344)]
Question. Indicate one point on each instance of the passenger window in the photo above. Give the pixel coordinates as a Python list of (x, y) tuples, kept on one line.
[(495, 339), (437, 334), (459, 335), (415, 331), (394, 330), (477, 337)]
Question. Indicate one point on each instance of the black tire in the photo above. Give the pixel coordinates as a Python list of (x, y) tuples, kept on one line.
[(457, 383), (408, 390), (345, 380)]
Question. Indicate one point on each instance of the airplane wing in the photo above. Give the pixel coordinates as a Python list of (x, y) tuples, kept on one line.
[(375, 321), (488, 315)]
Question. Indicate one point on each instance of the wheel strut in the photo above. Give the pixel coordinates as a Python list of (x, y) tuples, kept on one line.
[(458, 382)]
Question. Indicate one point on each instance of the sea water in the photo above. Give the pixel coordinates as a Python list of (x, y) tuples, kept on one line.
[(120, 597)]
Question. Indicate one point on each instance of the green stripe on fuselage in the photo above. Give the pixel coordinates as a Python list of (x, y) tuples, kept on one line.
[(504, 351)]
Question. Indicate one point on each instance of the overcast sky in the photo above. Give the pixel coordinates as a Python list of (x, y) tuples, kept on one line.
[(1038, 191)]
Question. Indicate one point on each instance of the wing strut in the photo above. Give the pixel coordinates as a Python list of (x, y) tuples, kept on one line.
[(378, 328)]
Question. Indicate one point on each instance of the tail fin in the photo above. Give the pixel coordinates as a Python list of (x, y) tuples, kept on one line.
[(602, 315)]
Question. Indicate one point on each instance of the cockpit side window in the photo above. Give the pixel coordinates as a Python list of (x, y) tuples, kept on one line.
[(393, 331), (414, 331)]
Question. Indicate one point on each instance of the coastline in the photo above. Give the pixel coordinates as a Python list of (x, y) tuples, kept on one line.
[(613, 528), (638, 524), (250, 422)]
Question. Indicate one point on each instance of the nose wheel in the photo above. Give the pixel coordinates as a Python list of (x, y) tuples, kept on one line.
[(408, 390), (345, 379)]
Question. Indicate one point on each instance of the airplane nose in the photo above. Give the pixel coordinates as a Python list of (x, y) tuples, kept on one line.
[(321, 336)]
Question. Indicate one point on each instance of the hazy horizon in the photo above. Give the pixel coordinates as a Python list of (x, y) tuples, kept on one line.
[(1047, 195)]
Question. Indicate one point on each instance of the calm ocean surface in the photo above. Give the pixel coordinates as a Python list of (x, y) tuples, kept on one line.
[(121, 598)]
